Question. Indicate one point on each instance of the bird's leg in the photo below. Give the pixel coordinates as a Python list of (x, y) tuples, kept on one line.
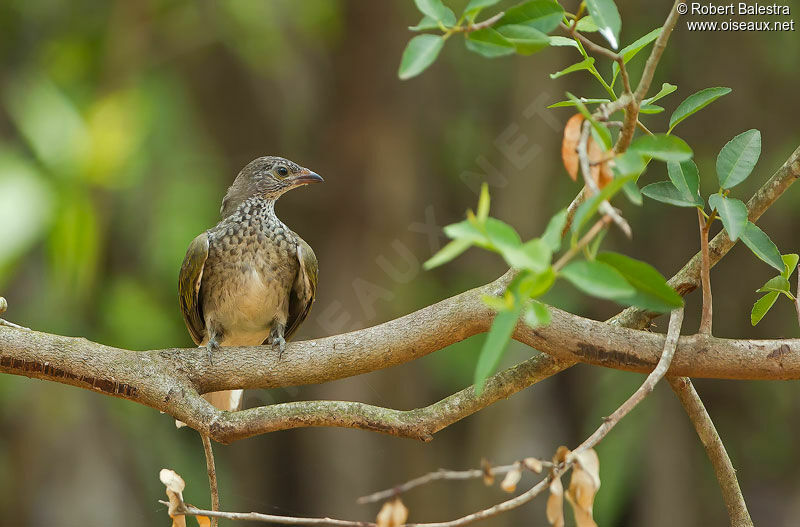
[(276, 339), (212, 345)]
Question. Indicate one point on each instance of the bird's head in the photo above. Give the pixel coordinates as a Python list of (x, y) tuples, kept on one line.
[(268, 177)]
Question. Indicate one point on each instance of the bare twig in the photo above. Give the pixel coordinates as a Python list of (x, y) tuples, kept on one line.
[(670, 345), (486, 23), (583, 242), (723, 468), (189, 510), (212, 476), (450, 475), (591, 184), (705, 274)]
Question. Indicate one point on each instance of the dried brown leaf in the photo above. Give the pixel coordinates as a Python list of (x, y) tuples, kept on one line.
[(555, 504), (583, 487), (488, 475), (531, 463), (513, 476), (561, 454), (569, 145), (393, 514), (601, 172), (175, 486)]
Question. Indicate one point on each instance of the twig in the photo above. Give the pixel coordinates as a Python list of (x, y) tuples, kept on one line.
[(723, 468), (670, 345), (451, 475), (268, 518), (3, 307), (705, 274), (584, 241), (596, 48), (486, 23), (212, 476), (797, 297), (591, 184)]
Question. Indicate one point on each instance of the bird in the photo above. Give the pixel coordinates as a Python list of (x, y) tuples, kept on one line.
[(249, 280)]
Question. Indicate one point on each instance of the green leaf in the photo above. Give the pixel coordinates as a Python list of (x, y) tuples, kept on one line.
[(475, 6), (465, 230), (425, 24), (663, 147), (526, 40), (562, 41), (495, 344), (420, 53), (778, 284), (536, 315), (631, 50), (447, 253), (598, 279), (502, 235), (695, 103), (534, 255), (497, 303), (585, 64), (606, 16), (652, 291), (532, 285), (489, 43), (552, 233), (758, 242), (630, 163), (686, 179), (737, 158), (584, 100), (649, 109), (762, 306), (437, 11), (733, 213), (586, 25), (665, 90), (632, 192), (543, 15), (483, 203), (590, 206), (665, 192), (790, 261)]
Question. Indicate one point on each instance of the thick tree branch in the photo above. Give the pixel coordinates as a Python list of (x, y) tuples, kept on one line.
[(723, 468)]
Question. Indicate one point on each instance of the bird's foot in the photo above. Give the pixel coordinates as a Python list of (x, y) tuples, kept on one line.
[(212, 345), (279, 345)]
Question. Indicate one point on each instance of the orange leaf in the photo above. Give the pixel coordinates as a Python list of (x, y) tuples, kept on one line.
[(569, 146), (601, 172)]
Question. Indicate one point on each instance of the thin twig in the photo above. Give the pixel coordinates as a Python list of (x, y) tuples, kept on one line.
[(596, 48), (212, 476), (189, 510), (705, 274), (450, 475), (3, 307), (486, 23), (583, 242), (723, 468), (591, 184), (670, 345), (797, 297)]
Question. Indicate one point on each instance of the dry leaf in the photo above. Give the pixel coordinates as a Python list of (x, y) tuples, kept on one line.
[(561, 455), (513, 476), (601, 172), (392, 514), (203, 521), (531, 463), (555, 503), (488, 475), (569, 145), (583, 487), (175, 486)]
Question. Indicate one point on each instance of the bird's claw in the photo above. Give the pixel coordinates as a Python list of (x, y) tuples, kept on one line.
[(279, 344), (210, 347)]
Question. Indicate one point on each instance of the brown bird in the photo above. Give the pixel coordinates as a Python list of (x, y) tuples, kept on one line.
[(249, 280)]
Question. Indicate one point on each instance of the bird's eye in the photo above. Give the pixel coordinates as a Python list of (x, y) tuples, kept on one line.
[(282, 171)]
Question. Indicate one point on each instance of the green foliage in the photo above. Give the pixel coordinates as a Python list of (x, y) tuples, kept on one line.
[(436, 10), (775, 287), (666, 192), (420, 53), (695, 103), (598, 279), (662, 147), (760, 244), (737, 158), (732, 212), (606, 17), (489, 43), (589, 207), (652, 291), (631, 50), (496, 343)]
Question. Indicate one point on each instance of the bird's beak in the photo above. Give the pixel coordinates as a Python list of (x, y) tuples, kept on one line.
[(305, 177)]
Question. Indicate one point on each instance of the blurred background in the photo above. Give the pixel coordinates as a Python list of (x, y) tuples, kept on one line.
[(121, 125)]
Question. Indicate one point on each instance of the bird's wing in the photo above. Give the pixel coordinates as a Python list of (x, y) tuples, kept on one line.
[(189, 287), (304, 288)]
